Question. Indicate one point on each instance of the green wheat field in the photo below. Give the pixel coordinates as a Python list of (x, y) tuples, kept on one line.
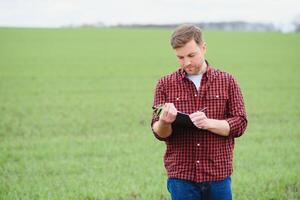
[(75, 110)]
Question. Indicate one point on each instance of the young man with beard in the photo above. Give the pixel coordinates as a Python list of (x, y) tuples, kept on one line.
[(198, 160)]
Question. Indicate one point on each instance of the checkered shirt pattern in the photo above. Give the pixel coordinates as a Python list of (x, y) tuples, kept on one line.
[(194, 154)]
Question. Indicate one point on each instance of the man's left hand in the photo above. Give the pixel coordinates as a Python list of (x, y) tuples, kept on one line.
[(200, 120)]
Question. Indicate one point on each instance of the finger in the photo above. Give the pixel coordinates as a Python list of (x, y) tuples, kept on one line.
[(173, 114), (198, 124), (202, 114), (167, 109), (200, 118), (164, 113), (195, 114), (173, 110), (196, 117), (166, 106), (172, 106), (170, 115), (198, 121)]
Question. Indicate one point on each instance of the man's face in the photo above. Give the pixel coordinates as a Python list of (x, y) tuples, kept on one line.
[(191, 57)]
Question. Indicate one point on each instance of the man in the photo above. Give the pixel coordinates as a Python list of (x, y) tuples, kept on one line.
[(198, 160)]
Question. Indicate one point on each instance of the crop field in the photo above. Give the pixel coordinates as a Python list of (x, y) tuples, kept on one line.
[(75, 110)]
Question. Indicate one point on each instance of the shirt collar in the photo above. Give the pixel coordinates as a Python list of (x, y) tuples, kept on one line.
[(210, 72)]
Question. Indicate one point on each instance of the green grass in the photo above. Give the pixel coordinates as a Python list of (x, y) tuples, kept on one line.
[(75, 109)]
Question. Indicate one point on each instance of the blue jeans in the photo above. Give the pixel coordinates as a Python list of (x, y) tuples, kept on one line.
[(188, 190)]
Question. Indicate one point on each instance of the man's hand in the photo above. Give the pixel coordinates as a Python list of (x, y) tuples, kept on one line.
[(163, 127), (219, 127), (200, 120), (168, 113)]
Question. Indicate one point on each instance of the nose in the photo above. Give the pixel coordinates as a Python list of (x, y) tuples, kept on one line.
[(186, 62)]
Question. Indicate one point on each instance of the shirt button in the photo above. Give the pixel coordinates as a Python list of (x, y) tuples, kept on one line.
[(195, 95), (198, 144), (217, 96), (198, 161), (177, 98)]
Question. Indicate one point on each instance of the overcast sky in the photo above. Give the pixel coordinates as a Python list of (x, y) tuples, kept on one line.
[(55, 13)]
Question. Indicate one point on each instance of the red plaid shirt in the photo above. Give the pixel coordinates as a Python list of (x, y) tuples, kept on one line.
[(194, 154)]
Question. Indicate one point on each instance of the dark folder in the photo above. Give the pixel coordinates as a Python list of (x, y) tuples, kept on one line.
[(183, 120)]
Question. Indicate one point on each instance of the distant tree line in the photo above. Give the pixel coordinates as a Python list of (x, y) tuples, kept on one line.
[(228, 26), (233, 25)]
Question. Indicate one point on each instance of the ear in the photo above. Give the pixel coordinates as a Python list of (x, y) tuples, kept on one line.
[(203, 46)]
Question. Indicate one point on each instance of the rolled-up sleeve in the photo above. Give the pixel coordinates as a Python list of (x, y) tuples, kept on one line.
[(237, 117), (159, 98)]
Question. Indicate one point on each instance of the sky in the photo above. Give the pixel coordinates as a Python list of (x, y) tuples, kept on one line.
[(56, 13)]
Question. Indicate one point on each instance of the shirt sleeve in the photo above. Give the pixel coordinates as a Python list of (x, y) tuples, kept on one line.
[(159, 98), (237, 118)]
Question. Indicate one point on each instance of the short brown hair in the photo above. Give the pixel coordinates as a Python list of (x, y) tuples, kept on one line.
[(185, 33)]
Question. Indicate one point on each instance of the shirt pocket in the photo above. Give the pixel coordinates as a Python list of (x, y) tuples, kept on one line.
[(216, 103), (183, 102)]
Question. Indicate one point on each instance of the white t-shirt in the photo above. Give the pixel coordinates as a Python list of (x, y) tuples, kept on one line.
[(196, 79)]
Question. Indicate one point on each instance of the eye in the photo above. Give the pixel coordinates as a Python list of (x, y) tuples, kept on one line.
[(191, 55)]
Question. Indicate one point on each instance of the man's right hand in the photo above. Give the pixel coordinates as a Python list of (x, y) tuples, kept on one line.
[(163, 127), (168, 113)]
